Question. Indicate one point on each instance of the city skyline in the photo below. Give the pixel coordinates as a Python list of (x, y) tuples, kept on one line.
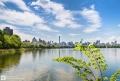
[(71, 20)]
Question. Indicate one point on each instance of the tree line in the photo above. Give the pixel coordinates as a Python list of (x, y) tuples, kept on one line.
[(7, 41)]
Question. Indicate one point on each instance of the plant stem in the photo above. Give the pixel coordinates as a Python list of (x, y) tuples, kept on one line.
[(92, 73), (96, 62), (98, 66), (100, 71)]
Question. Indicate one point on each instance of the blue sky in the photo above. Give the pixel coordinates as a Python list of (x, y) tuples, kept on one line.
[(90, 20)]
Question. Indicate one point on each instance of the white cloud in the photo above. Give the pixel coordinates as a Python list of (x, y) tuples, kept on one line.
[(19, 3), (19, 18), (2, 26), (112, 38), (64, 18), (73, 34), (92, 18), (2, 4), (36, 7), (119, 25), (23, 19), (44, 27), (93, 7)]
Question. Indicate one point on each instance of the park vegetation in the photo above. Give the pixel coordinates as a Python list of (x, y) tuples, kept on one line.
[(9, 42), (37, 46), (85, 69)]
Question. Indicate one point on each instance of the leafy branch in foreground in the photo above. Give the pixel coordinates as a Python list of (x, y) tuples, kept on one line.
[(83, 68)]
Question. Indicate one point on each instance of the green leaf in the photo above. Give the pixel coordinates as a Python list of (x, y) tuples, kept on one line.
[(105, 78)]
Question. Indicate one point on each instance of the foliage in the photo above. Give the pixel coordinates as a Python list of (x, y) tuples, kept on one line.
[(48, 46), (27, 45), (8, 41), (0, 42), (83, 68)]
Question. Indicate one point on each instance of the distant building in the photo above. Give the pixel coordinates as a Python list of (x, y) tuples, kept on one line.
[(40, 41), (107, 43), (8, 30), (86, 43), (115, 42), (112, 42), (76, 42), (63, 43), (102, 43), (44, 42), (98, 42), (59, 39), (55, 43), (81, 41), (70, 44), (48, 42), (34, 41), (52, 42), (26, 41)]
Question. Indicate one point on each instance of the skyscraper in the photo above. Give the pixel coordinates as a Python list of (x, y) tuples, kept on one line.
[(34, 41), (8, 30), (115, 42), (11, 31), (98, 42), (59, 39), (81, 41)]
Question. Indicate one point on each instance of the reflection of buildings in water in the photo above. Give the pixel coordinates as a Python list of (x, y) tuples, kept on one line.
[(34, 54), (9, 60), (59, 52), (40, 53), (115, 50), (52, 52)]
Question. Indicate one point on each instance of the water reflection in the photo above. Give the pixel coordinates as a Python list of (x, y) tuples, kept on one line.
[(38, 65), (115, 52), (34, 54), (9, 60), (59, 52)]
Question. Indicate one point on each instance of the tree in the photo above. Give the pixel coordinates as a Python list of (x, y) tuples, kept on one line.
[(83, 68), (16, 41), (0, 44), (1, 38), (8, 41)]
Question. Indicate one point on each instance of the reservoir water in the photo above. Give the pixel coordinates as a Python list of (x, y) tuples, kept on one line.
[(38, 65)]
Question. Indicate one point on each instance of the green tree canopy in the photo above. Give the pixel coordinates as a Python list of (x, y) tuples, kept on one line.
[(8, 41)]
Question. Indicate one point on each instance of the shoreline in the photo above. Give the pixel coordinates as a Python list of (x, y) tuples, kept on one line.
[(2, 51)]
